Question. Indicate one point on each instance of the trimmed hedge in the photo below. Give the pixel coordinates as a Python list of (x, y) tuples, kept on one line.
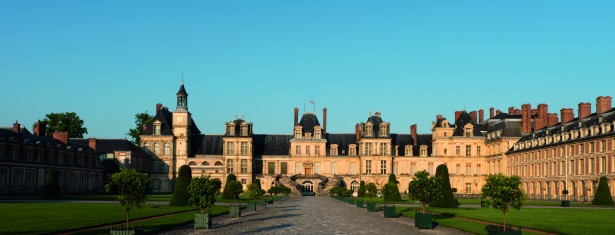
[(603, 193), (447, 200), (180, 193), (228, 192), (362, 191)]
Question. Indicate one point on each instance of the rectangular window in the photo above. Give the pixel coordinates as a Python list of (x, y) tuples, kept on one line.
[(478, 169), (468, 168), (307, 150), (458, 169), (317, 150), (383, 149), (477, 150), (562, 151), (368, 167), (591, 147), (298, 168), (468, 188), (603, 146), (603, 165), (244, 166), (582, 166), (383, 167), (317, 168), (352, 166), (229, 166), (458, 151), (271, 168), (230, 147), (368, 149), (413, 168), (352, 151), (284, 168), (298, 150), (592, 165), (334, 168), (571, 171), (468, 150), (244, 148), (582, 147), (243, 181)]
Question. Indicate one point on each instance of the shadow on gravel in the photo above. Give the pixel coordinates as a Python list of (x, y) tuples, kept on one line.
[(273, 217), (265, 229)]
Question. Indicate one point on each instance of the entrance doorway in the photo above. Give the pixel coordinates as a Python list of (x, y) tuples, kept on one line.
[(307, 189), (308, 171)]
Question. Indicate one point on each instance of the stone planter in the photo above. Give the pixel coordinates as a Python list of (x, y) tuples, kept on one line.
[(371, 206), (202, 221), (262, 203), (122, 231), (252, 206), (389, 212), (359, 204), (234, 211), (499, 230), (423, 220), (565, 203)]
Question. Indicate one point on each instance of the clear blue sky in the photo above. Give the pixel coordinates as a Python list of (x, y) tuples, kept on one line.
[(410, 60)]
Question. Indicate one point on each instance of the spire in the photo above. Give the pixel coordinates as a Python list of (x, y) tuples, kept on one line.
[(182, 97)]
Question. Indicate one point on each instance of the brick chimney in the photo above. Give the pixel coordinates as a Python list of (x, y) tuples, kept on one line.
[(539, 123), (357, 132), (16, 127), (534, 112), (296, 118), (92, 143), (552, 119), (517, 112), (603, 104), (413, 133), (567, 115), (378, 114), (457, 114), (585, 109), (39, 128), (543, 110), (481, 116), (158, 107), (324, 116), (526, 118), (473, 116), (61, 136), (511, 110), (491, 113)]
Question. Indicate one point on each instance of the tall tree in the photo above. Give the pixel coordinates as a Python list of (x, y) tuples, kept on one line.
[(503, 192), (425, 188), (603, 193), (141, 120), (69, 122), (448, 199), (180, 194), (133, 189), (362, 190), (228, 190)]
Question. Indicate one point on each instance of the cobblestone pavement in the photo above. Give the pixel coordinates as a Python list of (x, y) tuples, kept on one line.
[(311, 215)]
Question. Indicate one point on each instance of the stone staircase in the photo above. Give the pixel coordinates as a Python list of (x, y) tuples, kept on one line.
[(288, 182), (332, 182)]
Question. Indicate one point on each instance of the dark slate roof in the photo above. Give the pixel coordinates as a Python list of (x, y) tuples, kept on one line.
[(166, 119), (423, 139), (506, 116), (439, 122), (205, 145), (342, 140), (194, 130), (401, 140), (375, 120), (110, 145), (464, 119), (271, 144), (26, 137), (308, 122), (182, 90), (508, 128)]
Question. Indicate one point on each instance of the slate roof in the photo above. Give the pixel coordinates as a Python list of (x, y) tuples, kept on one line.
[(463, 119), (238, 128), (271, 144), (375, 120), (110, 145), (182, 90), (342, 140), (508, 128), (205, 145), (308, 122), (401, 140), (166, 119), (25, 137)]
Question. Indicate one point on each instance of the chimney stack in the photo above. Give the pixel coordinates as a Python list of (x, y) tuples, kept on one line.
[(543, 110), (497, 112), (603, 104), (457, 114), (61, 136), (39, 129), (567, 115), (357, 132), (413, 133), (585, 109), (526, 118), (534, 112), (296, 118), (552, 119), (16, 127), (491, 112), (324, 116), (481, 116), (511, 110), (92, 143), (473, 116), (158, 108), (539, 123), (517, 112)]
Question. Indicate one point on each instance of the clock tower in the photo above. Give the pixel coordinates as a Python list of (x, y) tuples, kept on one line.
[(181, 128)]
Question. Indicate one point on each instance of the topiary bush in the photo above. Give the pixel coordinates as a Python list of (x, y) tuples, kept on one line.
[(227, 194), (390, 191), (361, 192), (254, 190), (52, 188), (603, 193), (371, 191), (447, 200), (180, 194)]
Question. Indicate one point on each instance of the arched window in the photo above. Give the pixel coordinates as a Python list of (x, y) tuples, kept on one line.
[(218, 163), (192, 164), (205, 163), (354, 186)]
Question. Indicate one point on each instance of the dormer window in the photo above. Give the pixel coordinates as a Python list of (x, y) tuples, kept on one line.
[(333, 150), (423, 150), (408, 150), (231, 129), (157, 128), (244, 129), (298, 133), (308, 135), (383, 130), (317, 133), (352, 150), (368, 130)]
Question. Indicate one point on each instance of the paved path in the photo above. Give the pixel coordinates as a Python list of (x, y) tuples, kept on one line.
[(311, 215)]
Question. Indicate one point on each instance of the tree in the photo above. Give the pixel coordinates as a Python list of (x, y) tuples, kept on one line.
[(603, 193), (447, 200), (180, 194), (141, 120), (52, 188), (110, 166), (425, 188), (226, 194), (235, 188), (203, 191), (503, 192), (69, 122), (361, 192), (133, 188), (393, 179), (273, 190), (254, 190), (390, 190), (371, 191), (284, 190)]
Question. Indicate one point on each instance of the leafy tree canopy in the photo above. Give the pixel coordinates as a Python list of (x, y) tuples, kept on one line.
[(203, 191), (69, 122), (503, 192), (133, 189), (425, 188), (141, 120), (254, 190), (371, 190)]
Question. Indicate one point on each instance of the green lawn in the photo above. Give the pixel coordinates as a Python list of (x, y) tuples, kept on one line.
[(463, 201), (35, 218), (556, 220)]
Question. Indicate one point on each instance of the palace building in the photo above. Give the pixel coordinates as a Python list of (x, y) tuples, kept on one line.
[(526, 142)]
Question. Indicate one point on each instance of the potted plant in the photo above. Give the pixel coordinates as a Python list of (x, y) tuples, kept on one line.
[(502, 193), (254, 192), (565, 203), (203, 191), (235, 188), (133, 188), (426, 189), (371, 193)]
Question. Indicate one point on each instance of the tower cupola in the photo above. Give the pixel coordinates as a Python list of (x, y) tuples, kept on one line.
[(182, 98)]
